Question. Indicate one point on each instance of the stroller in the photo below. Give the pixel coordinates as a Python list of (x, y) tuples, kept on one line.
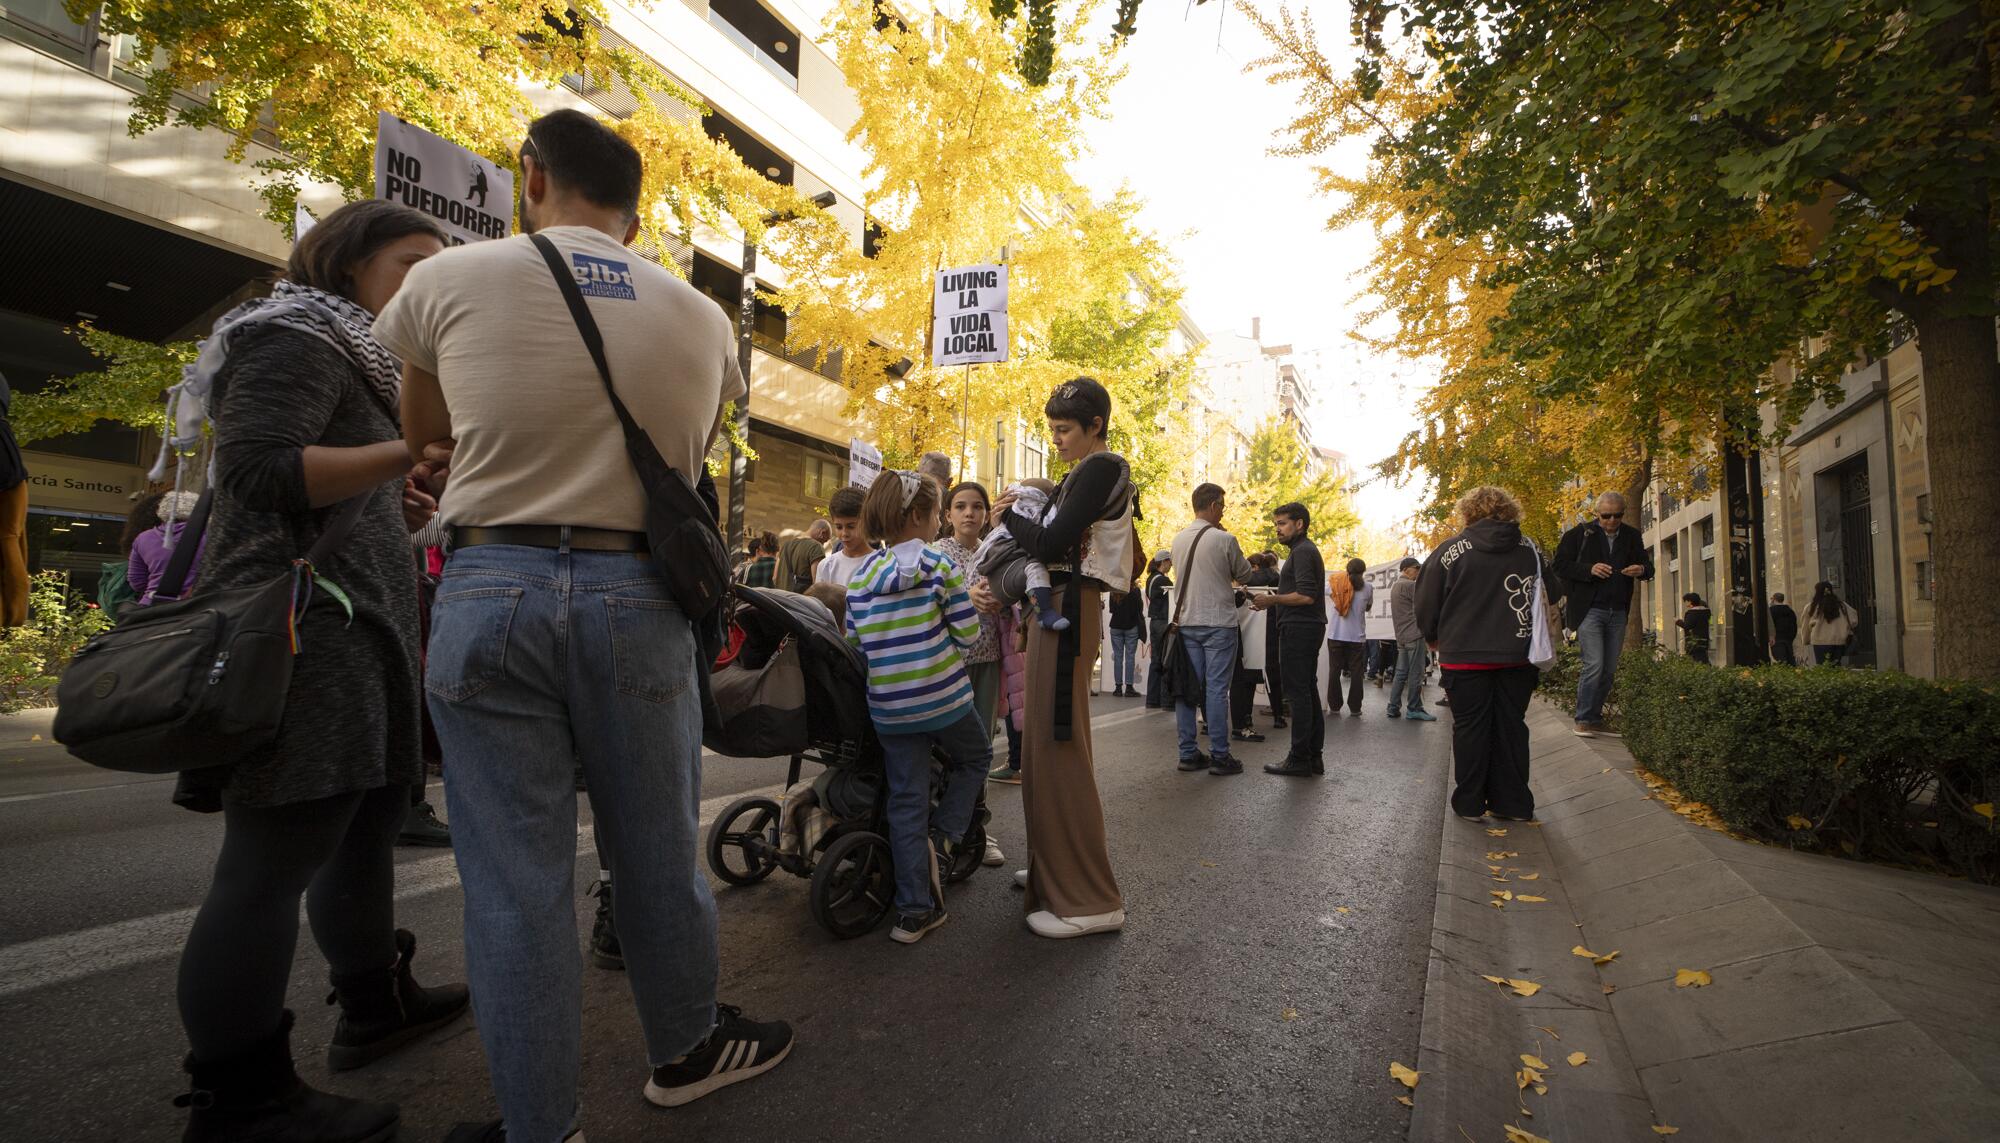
[(789, 683)]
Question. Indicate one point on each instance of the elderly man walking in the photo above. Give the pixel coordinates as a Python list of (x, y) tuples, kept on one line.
[(1600, 560)]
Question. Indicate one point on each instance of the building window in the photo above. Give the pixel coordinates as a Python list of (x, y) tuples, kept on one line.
[(1034, 462), (756, 154), (768, 40), (824, 477), (43, 16), (1924, 508), (1926, 580)]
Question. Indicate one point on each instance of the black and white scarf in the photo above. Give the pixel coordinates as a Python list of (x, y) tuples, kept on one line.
[(343, 324)]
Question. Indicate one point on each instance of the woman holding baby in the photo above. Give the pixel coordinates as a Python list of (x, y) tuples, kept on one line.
[(1086, 541)]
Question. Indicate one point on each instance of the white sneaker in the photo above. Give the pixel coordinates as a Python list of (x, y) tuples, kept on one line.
[(993, 854), (1020, 879), (1047, 924)]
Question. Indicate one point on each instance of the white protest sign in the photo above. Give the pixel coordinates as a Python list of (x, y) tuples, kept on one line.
[(969, 308), (470, 196), (864, 463)]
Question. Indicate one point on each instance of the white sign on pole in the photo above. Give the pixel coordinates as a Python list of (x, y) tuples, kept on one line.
[(302, 220), (864, 463), (470, 196), (969, 308)]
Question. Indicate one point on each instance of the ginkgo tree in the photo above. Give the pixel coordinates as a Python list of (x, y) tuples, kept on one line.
[(968, 163), (1693, 212)]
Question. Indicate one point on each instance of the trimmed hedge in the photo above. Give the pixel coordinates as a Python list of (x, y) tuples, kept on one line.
[(1869, 764)]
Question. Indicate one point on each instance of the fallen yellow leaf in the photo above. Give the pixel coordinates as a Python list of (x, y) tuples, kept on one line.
[(1406, 1101), (1983, 809), (1606, 770), (1583, 952), (1663, 1129), (1208, 865), (1549, 1030), (1692, 978), (38, 738), (1503, 894), (1289, 1014), (1533, 1061), (1497, 904), (1578, 1059), (1609, 989), (1342, 909), (1405, 1076), (1493, 979), (1541, 1089), (1534, 900), (1517, 1135), (1798, 821), (1489, 833), (1501, 880), (1607, 958), (1531, 877), (1523, 987)]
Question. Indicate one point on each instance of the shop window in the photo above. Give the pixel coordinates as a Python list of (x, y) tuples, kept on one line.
[(823, 477)]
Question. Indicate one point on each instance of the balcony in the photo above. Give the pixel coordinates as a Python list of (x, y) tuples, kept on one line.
[(767, 39)]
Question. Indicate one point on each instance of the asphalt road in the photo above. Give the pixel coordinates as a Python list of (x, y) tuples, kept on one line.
[(1272, 966)]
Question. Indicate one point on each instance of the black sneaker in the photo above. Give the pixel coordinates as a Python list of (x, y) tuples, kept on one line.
[(910, 930), (605, 951), (422, 827), (1223, 767), (1246, 735), (1198, 762), (736, 1050)]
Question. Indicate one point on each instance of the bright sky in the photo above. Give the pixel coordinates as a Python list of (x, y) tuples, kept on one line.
[(1190, 132)]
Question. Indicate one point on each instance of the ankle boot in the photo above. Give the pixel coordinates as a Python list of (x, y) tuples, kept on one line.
[(383, 1009), (257, 1096), (604, 949)]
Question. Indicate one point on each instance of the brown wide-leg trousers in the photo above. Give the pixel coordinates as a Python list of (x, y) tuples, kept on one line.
[(1069, 868)]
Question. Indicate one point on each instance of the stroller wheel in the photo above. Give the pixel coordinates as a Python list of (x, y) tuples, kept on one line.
[(743, 842), (965, 860), (853, 885)]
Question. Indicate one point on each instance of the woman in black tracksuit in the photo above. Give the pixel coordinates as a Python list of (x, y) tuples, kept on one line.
[(1159, 612), (1475, 606)]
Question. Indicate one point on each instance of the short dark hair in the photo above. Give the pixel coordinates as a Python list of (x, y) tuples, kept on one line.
[(1777, 597), (1206, 496), (326, 257), (1693, 597), (1082, 400), (846, 503), (1294, 511), (586, 158), (1408, 563), (766, 542)]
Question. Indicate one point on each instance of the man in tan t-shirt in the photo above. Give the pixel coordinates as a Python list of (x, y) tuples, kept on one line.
[(555, 641)]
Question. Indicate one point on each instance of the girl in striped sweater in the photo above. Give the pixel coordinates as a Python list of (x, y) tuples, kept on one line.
[(908, 611)]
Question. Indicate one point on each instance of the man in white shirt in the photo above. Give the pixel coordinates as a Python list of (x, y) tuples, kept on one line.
[(1211, 563), (555, 640)]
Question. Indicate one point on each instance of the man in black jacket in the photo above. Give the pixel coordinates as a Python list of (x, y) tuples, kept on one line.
[(1599, 561), (1784, 631)]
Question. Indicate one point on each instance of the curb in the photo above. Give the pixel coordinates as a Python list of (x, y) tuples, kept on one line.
[(1848, 1001)]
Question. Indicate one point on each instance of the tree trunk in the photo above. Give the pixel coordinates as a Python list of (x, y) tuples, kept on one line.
[(1635, 495), (1962, 399)]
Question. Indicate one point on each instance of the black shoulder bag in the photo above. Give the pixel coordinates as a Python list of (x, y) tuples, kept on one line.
[(1180, 682), (681, 529), (192, 683)]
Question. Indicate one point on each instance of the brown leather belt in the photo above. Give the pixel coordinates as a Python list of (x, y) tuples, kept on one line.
[(552, 536)]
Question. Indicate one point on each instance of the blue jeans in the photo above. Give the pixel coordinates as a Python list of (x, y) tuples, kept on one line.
[(906, 762), (1124, 657), (1600, 637), (1212, 651), (541, 660), (1411, 658)]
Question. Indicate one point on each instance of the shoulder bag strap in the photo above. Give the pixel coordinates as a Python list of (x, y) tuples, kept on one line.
[(1180, 597), (586, 325), (174, 579)]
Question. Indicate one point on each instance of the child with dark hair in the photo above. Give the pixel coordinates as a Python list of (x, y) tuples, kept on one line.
[(843, 512), (1694, 622), (908, 611)]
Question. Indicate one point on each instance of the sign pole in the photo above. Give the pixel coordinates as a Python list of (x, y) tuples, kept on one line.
[(964, 413)]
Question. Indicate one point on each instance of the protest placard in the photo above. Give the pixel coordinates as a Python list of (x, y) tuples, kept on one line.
[(444, 180)]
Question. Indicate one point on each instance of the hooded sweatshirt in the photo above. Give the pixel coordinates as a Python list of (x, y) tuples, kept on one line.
[(1475, 596), (908, 611)]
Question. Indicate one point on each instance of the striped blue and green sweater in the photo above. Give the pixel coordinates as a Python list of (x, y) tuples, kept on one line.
[(908, 611)]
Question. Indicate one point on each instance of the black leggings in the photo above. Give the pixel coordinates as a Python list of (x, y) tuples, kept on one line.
[(336, 851)]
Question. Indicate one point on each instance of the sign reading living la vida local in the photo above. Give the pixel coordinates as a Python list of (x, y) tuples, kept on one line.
[(469, 195), (969, 310)]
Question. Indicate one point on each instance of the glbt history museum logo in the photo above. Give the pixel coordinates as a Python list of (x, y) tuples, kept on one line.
[(602, 278)]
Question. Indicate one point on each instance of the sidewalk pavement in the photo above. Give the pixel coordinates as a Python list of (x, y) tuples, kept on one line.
[(1847, 1001)]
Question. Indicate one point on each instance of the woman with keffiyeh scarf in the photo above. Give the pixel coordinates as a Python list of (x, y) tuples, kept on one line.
[(304, 407)]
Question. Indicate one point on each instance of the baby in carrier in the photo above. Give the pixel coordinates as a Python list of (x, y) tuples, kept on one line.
[(1012, 574)]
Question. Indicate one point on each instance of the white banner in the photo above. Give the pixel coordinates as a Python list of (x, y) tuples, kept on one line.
[(970, 289), (864, 463), (969, 339), (470, 196)]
